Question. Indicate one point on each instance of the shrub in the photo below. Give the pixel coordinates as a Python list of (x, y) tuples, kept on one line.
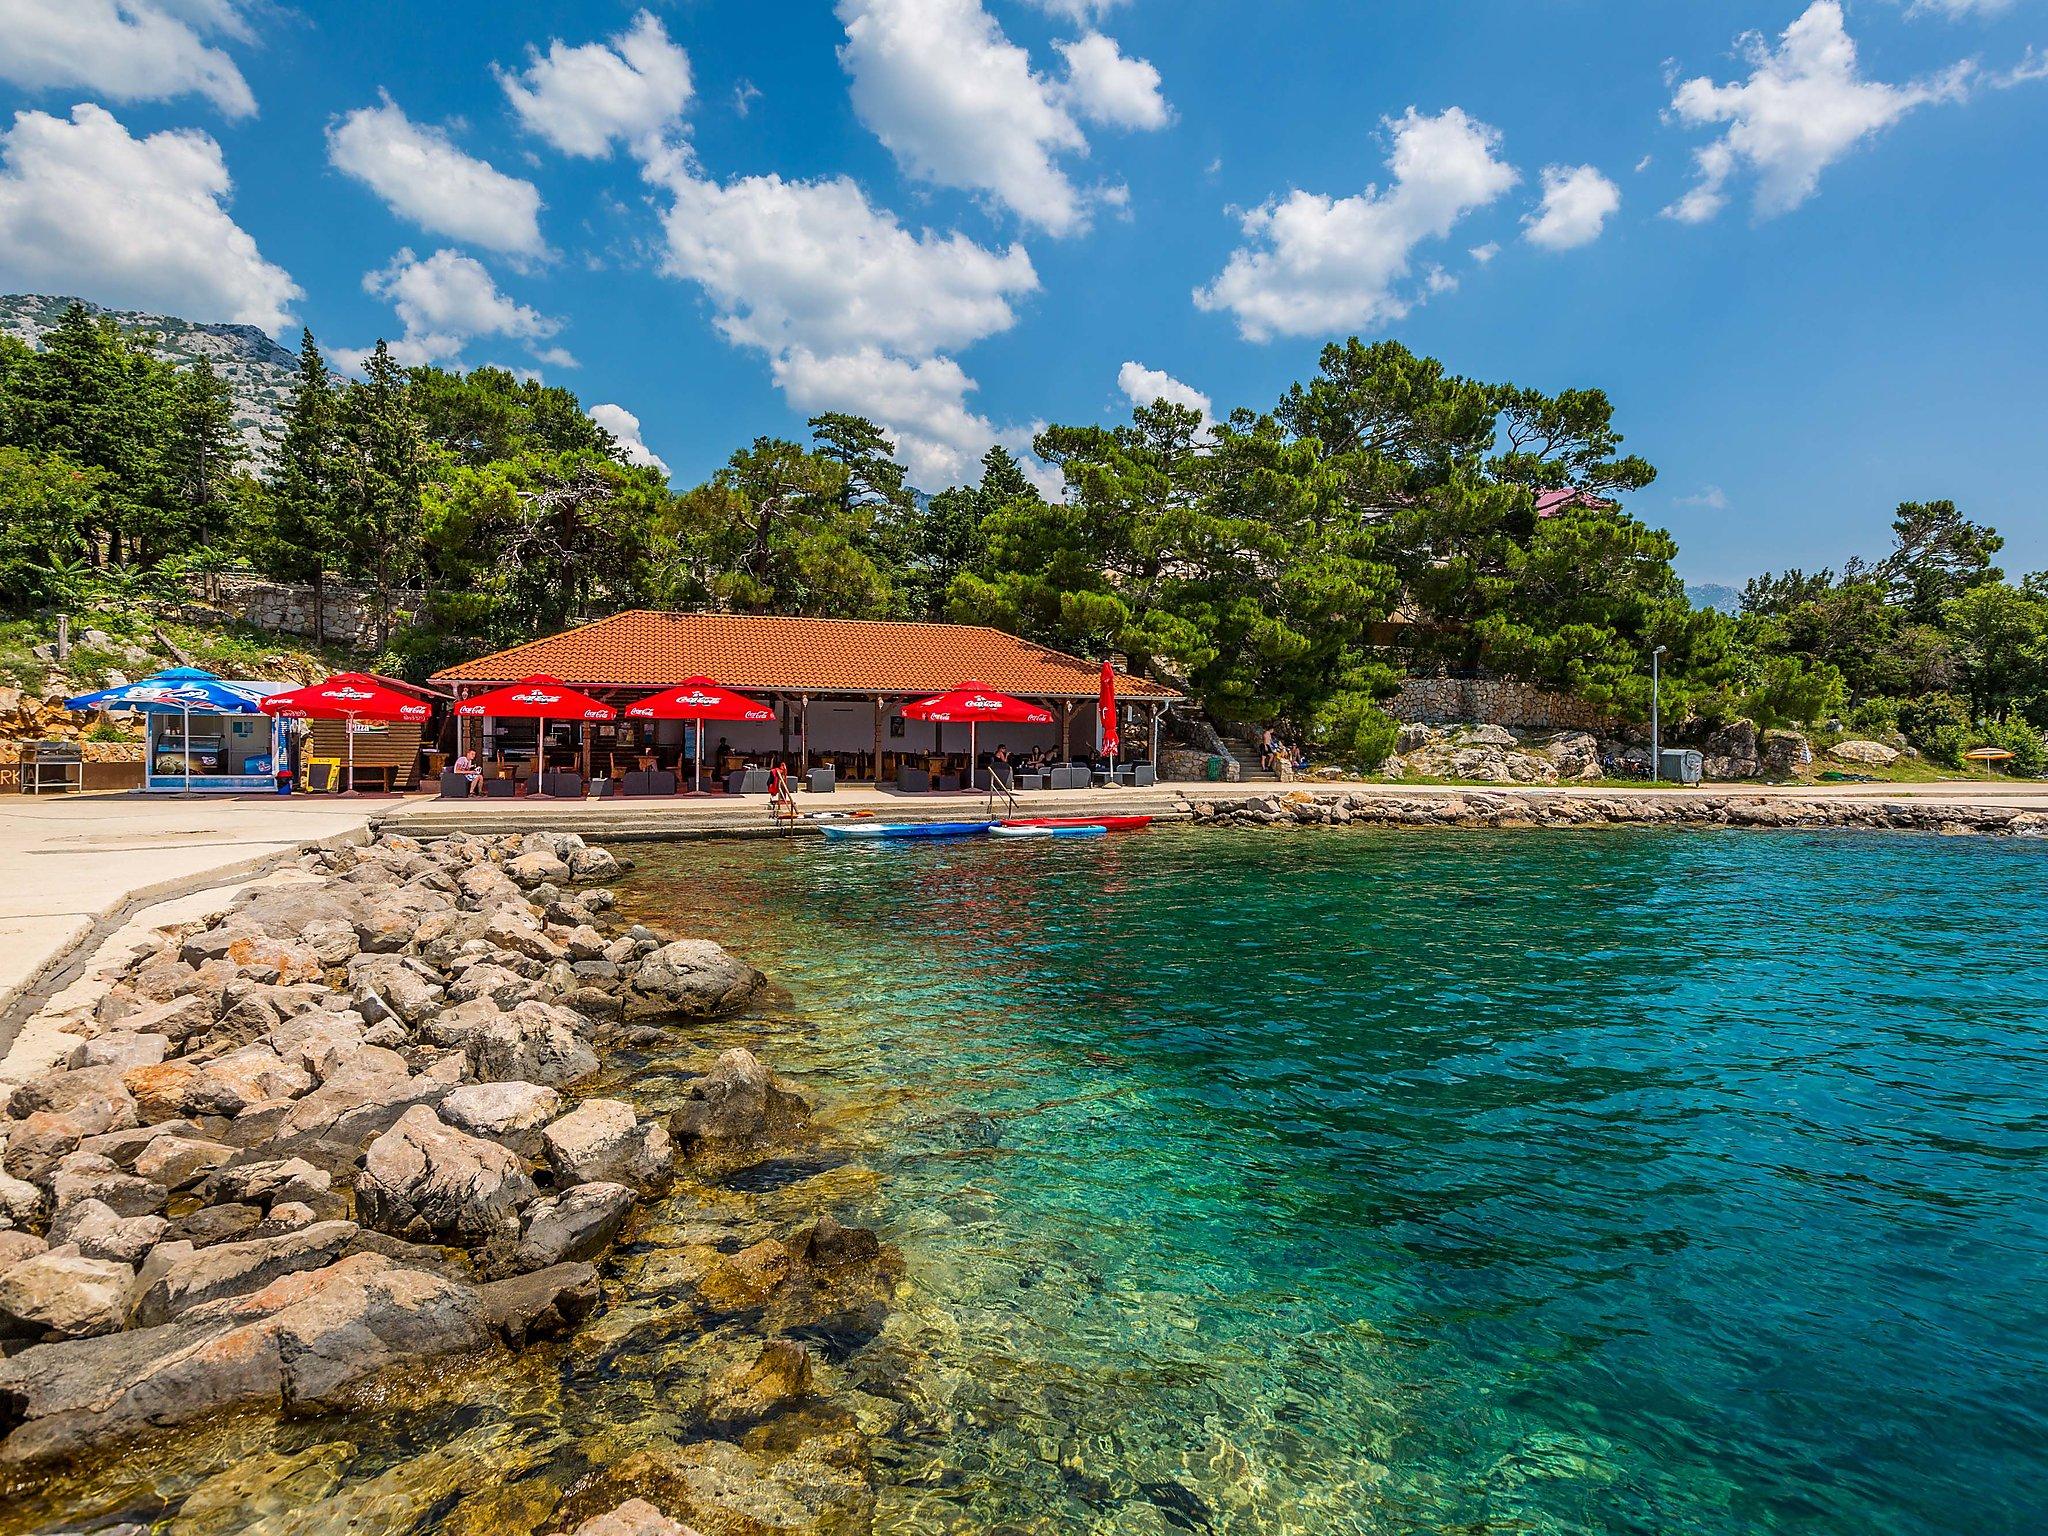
[(2029, 753), (1351, 728), (1791, 692)]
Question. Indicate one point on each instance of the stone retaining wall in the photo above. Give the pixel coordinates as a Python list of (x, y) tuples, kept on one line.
[(286, 607), (1300, 808), (1494, 701)]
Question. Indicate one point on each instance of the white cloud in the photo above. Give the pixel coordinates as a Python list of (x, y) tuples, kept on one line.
[(1313, 264), (1711, 497), (958, 103), (1577, 201), (1080, 12), (446, 301), (853, 311), (127, 50), (86, 208), (422, 176), (814, 264), (1485, 253), (1803, 107), (624, 427), (1142, 386), (1105, 87), (1957, 9), (631, 89), (922, 402)]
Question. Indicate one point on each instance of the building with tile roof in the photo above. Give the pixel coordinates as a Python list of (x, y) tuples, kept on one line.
[(838, 685)]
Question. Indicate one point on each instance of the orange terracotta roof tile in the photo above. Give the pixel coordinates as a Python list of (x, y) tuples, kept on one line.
[(644, 649)]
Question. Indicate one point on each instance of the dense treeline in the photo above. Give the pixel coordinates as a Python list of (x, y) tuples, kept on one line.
[(1286, 564)]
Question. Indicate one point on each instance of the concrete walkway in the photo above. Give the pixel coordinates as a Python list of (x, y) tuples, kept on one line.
[(73, 863)]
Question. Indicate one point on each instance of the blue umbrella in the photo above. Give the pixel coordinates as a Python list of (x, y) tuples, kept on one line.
[(177, 691)]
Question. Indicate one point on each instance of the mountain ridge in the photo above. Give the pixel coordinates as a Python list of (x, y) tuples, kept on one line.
[(257, 370)]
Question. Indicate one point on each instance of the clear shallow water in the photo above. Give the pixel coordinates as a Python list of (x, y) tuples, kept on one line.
[(1521, 1182)]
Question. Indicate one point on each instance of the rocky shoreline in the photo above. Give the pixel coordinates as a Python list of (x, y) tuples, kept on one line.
[(1690, 808), (336, 1136)]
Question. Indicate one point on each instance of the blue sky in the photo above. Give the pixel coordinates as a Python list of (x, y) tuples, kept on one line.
[(1799, 243)]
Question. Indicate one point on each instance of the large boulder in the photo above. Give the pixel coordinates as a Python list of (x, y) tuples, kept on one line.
[(747, 1392), (1576, 754), (535, 1043), (737, 1114), (635, 1517), (21, 1203), (121, 1048), (601, 1141), (1784, 753), (61, 1293), (690, 978), (257, 1072), (175, 1090), (88, 1176), (578, 1224), (267, 1181), (1869, 754), (723, 1490), (423, 1181), (542, 1305), (176, 1161), (539, 867), (93, 1099), (384, 986), (178, 1277), (297, 1344), (98, 1231), (1731, 752), (363, 1100), (508, 1112)]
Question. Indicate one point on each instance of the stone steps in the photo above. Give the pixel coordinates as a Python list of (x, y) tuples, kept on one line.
[(1246, 751)]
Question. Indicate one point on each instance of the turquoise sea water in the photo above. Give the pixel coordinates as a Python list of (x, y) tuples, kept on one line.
[(1619, 1181)]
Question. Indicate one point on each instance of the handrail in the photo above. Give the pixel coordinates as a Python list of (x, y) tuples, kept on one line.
[(782, 804), (1008, 783)]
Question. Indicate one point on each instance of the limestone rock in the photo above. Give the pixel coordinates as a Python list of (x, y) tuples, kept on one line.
[(737, 1114), (20, 1201), (747, 1393), (1873, 754), (503, 987), (176, 1161), (601, 1141), (536, 868), (635, 1517), (16, 1246), (86, 1176), (259, 1072), (177, 1089), (123, 1049), (93, 1099), (544, 1304), (266, 1182), (178, 1277), (61, 1293), (98, 1231), (508, 1112), (691, 978), (298, 1343), (725, 1491), (361, 1101), (578, 1224), (423, 1180), (534, 1043)]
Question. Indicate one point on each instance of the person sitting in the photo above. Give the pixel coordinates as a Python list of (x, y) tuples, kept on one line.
[(466, 766)]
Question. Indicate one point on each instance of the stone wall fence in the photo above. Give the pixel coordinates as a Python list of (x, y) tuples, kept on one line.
[(1493, 701), (286, 607)]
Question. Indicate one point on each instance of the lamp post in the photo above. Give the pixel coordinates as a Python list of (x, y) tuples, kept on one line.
[(1656, 739)]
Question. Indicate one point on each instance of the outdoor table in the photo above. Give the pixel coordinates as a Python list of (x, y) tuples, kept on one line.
[(1031, 781)]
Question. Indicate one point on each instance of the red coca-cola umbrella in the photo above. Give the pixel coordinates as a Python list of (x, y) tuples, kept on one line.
[(698, 699), (974, 704), (541, 698), (349, 696), (1105, 715)]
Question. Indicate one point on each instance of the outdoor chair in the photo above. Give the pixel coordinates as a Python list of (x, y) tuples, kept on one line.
[(1031, 781), (913, 781), (562, 783), (638, 781), (1143, 774), (823, 781), (604, 788), (747, 781), (501, 789), (454, 786), (661, 781), (948, 783)]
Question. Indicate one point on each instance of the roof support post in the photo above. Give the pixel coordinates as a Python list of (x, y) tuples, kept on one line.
[(878, 740), (1067, 730)]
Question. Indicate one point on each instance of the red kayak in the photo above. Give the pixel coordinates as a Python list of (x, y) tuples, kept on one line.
[(1107, 823)]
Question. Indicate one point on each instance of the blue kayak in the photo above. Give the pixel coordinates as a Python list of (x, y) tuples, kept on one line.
[(905, 829)]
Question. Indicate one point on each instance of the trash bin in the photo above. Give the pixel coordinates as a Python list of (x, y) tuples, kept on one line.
[(1676, 765)]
